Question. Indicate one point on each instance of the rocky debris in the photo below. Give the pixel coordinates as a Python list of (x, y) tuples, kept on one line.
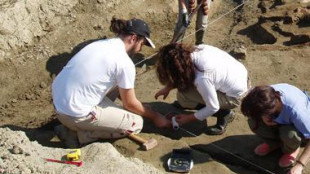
[(20, 155), (23, 21), (43, 85), (302, 15), (239, 52)]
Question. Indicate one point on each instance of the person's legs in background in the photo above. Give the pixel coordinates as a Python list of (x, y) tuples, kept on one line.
[(201, 23), (179, 23)]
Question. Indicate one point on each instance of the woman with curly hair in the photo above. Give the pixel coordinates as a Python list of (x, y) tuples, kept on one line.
[(207, 79), (280, 115)]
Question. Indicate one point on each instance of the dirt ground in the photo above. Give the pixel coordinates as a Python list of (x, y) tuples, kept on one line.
[(270, 37)]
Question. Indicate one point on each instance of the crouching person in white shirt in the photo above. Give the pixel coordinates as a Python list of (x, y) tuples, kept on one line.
[(81, 89), (208, 80)]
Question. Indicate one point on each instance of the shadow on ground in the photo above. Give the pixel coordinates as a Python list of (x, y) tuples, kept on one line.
[(55, 63), (43, 135), (197, 127), (237, 151)]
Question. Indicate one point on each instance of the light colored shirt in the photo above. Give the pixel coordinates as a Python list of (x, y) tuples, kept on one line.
[(296, 108), (90, 74), (215, 71)]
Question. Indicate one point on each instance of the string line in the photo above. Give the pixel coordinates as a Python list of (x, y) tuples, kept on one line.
[(208, 24), (226, 151)]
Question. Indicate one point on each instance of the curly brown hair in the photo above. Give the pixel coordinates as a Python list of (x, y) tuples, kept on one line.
[(175, 67)]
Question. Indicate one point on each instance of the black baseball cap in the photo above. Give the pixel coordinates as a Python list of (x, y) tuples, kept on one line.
[(141, 28)]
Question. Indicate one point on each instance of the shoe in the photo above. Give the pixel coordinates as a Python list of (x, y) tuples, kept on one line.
[(215, 130), (264, 149), (288, 159), (229, 117), (68, 137), (223, 118)]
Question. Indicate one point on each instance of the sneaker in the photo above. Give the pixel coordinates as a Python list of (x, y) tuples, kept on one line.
[(68, 137), (215, 130), (288, 159), (229, 117), (222, 120), (264, 149)]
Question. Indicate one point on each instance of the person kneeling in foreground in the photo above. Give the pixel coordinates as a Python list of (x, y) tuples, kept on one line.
[(208, 80), (280, 114), (82, 91)]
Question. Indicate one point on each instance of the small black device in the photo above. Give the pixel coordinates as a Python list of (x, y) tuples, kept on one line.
[(181, 160)]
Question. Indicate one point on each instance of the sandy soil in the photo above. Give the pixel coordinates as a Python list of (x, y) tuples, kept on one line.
[(271, 37)]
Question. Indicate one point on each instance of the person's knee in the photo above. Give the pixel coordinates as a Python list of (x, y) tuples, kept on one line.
[(253, 125), (137, 125), (262, 130), (185, 101), (290, 137)]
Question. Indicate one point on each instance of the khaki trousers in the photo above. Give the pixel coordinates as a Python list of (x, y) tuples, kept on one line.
[(191, 98), (105, 121)]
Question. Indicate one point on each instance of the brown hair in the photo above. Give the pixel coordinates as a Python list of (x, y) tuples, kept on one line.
[(260, 101), (175, 66), (118, 26)]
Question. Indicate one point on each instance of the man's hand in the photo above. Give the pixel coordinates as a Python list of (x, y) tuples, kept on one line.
[(192, 6), (185, 19), (205, 7), (164, 91), (182, 119), (161, 122)]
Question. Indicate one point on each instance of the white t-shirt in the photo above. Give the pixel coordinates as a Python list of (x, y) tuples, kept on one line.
[(89, 76), (218, 72)]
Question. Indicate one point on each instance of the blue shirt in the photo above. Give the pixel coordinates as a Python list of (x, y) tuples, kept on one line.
[(296, 108)]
